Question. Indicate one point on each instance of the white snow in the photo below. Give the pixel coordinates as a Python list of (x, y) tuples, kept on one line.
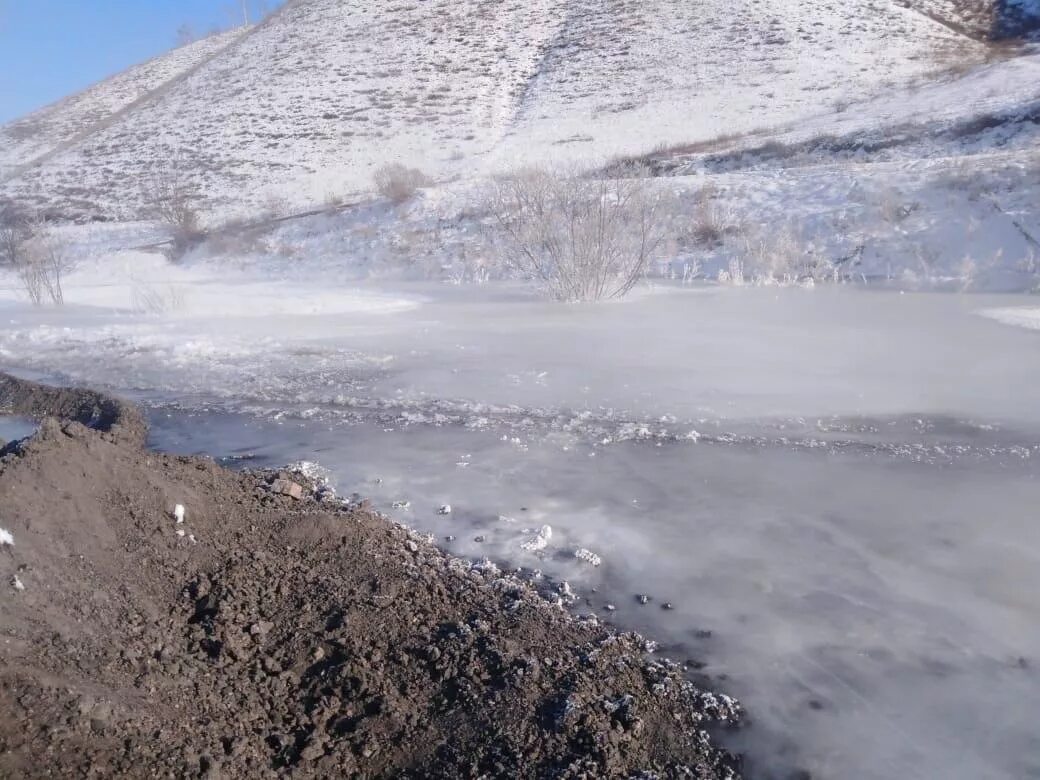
[(310, 103), (1019, 317), (6, 540), (178, 513)]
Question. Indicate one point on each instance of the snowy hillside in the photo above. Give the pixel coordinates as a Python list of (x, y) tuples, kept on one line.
[(307, 104), (55, 127)]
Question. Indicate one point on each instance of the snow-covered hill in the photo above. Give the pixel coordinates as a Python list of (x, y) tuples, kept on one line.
[(75, 118), (309, 103)]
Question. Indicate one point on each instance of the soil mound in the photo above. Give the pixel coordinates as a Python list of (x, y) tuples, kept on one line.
[(268, 635)]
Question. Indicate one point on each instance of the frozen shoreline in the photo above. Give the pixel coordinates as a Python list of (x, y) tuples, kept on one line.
[(347, 643)]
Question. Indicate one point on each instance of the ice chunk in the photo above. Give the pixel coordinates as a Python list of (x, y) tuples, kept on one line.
[(588, 556), (178, 513), (6, 539), (539, 541)]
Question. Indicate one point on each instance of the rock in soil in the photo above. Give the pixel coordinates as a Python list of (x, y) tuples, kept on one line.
[(297, 637)]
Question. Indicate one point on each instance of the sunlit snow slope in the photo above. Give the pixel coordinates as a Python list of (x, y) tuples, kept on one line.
[(308, 103), (73, 119)]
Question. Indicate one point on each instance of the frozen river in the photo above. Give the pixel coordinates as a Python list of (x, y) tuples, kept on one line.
[(837, 491)]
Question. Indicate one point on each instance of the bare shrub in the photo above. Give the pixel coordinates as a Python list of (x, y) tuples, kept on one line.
[(1030, 265), (713, 220), (893, 208), (146, 298), (399, 182), (37, 254), (580, 239), (781, 256), (775, 257), (276, 206), (171, 198)]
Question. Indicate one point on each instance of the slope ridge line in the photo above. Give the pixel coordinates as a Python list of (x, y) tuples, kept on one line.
[(121, 113)]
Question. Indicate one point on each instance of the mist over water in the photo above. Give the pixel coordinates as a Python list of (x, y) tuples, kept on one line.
[(14, 428), (835, 490)]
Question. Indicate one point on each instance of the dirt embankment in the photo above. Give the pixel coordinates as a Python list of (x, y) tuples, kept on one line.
[(266, 635)]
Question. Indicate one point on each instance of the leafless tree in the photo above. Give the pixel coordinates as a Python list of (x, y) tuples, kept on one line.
[(579, 238)]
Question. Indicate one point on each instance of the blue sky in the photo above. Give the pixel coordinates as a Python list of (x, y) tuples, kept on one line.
[(51, 48)]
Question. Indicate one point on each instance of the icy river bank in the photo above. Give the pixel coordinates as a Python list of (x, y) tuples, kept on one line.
[(834, 492)]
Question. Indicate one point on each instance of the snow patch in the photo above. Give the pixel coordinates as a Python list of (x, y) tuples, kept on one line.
[(1017, 317)]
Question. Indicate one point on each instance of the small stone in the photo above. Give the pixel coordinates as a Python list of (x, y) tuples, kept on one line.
[(370, 749), (17, 584), (412, 546), (449, 538), (444, 510), (480, 539), (312, 752), (285, 487), (667, 605), (610, 608), (261, 628), (642, 598)]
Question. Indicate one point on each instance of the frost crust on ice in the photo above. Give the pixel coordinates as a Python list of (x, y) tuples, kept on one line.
[(587, 556), (539, 541)]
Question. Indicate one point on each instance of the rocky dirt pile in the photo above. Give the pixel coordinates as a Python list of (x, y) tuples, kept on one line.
[(267, 635)]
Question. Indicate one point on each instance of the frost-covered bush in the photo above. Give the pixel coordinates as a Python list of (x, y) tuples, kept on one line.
[(579, 238), (399, 183), (172, 198)]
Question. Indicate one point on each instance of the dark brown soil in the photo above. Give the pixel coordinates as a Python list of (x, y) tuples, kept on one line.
[(281, 636)]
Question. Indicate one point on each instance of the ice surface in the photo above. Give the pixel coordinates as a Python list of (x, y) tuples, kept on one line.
[(834, 489), (14, 428)]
